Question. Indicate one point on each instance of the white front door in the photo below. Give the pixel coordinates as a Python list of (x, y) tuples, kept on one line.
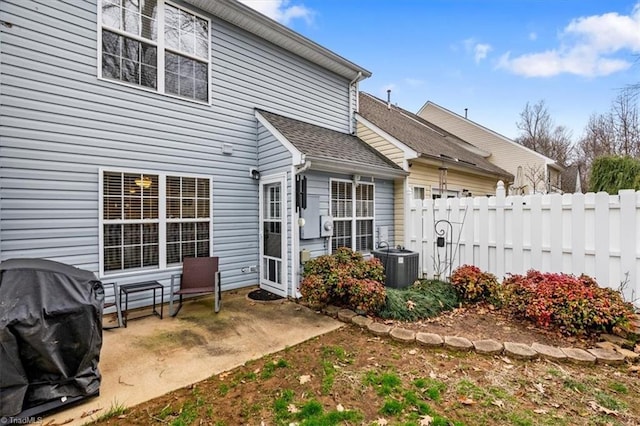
[(273, 234)]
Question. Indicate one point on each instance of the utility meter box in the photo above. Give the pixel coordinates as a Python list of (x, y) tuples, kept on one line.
[(311, 216), (326, 226)]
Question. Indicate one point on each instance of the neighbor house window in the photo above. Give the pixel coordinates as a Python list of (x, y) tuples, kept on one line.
[(352, 208), (438, 193), (139, 234), (169, 55)]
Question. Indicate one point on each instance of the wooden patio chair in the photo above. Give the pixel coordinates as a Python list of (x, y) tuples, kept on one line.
[(200, 275)]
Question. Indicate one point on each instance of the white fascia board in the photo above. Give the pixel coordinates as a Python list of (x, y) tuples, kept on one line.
[(409, 153), (297, 157), (546, 159), (353, 167)]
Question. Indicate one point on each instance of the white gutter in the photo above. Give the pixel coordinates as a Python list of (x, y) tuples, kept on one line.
[(303, 167)]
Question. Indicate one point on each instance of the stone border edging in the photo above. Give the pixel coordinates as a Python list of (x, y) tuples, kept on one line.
[(607, 353)]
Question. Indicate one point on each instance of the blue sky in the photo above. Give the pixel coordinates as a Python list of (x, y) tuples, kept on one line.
[(489, 56)]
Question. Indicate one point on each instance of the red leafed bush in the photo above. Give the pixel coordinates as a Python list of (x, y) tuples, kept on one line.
[(344, 278), (474, 285), (576, 305)]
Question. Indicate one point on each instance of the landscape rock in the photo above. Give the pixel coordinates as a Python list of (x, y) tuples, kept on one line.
[(606, 345), (361, 321), (429, 339), (331, 310), (617, 340), (607, 356), (549, 352), (379, 329), (403, 335), (519, 350), (629, 355), (458, 343), (488, 346), (579, 356), (346, 315)]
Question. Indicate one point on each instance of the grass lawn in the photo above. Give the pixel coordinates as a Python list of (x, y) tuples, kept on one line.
[(350, 377)]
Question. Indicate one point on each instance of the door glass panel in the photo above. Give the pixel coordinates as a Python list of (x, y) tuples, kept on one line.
[(272, 233)]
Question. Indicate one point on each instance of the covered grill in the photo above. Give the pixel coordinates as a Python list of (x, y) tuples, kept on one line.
[(50, 336)]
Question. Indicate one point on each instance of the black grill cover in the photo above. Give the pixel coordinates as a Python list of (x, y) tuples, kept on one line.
[(50, 333)]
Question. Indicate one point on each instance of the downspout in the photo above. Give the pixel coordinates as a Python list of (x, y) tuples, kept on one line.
[(351, 112), (295, 238)]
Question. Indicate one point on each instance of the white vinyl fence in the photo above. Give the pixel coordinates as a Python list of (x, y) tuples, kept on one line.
[(595, 234)]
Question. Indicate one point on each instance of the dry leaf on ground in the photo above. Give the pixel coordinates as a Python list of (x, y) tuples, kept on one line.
[(599, 408), (498, 403), (425, 420), (305, 379)]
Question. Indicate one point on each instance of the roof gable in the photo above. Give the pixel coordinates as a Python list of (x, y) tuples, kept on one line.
[(329, 146), (423, 137)]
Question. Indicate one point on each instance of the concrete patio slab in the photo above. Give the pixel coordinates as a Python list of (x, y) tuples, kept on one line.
[(152, 357)]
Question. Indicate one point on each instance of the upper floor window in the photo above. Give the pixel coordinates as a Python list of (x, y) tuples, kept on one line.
[(155, 45)]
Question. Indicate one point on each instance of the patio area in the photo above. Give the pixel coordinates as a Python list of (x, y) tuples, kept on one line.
[(152, 357)]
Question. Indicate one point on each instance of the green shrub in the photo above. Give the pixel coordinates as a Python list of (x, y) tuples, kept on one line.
[(344, 278), (612, 173), (424, 299), (575, 305), (473, 285)]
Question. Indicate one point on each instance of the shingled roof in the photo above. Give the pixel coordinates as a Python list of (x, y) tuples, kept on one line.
[(319, 143), (428, 140)]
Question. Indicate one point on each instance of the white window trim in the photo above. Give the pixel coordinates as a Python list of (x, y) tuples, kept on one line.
[(162, 220), (413, 191), (353, 218), (436, 191), (160, 45)]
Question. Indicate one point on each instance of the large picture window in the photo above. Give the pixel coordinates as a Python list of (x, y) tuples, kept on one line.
[(170, 55), (139, 234), (352, 208)]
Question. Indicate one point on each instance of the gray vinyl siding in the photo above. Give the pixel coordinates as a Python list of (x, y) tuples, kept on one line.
[(60, 125), (274, 158), (318, 183)]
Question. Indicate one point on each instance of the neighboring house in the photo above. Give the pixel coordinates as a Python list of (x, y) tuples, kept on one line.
[(439, 163), (133, 137), (533, 172)]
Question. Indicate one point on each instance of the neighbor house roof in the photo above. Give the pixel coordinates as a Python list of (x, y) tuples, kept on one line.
[(264, 27), (549, 161), (332, 150), (426, 139)]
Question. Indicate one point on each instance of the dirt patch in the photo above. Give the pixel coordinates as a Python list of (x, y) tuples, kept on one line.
[(479, 322), (379, 380)]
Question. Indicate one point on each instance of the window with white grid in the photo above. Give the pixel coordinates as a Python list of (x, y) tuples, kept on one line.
[(352, 208), (188, 218), (138, 235), (169, 55)]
